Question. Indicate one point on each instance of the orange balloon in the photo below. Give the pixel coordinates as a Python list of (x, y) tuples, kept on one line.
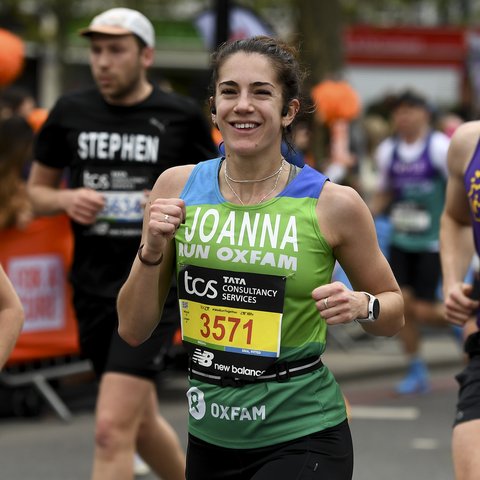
[(12, 56), (36, 118), (335, 101), (217, 136)]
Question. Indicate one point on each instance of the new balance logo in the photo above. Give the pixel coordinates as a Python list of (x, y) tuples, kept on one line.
[(202, 357)]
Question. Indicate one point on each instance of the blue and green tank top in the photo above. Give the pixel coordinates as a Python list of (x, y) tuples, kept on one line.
[(245, 276)]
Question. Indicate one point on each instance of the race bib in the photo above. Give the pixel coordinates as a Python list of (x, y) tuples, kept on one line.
[(408, 217), (231, 321), (122, 207)]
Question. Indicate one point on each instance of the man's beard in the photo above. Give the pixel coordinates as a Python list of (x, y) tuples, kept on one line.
[(123, 91)]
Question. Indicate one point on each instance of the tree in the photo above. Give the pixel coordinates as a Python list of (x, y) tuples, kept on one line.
[(321, 42), (320, 24)]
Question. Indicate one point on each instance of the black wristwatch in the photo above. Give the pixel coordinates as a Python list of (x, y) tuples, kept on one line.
[(373, 309)]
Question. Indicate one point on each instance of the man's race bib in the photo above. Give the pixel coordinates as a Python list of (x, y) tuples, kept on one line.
[(123, 190), (231, 321), (122, 207), (409, 217)]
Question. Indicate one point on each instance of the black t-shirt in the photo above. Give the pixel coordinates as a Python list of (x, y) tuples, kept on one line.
[(119, 151)]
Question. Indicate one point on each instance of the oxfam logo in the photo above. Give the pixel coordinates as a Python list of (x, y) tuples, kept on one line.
[(196, 403)]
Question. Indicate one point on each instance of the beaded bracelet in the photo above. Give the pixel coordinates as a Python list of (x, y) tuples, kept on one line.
[(148, 262)]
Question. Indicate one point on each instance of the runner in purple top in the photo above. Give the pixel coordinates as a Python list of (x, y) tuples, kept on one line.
[(461, 219)]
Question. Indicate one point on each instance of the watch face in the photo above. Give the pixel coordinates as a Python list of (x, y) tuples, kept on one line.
[(376, 308)]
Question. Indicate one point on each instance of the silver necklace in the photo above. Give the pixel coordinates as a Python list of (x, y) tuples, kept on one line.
[(254, 181), (277, 173)]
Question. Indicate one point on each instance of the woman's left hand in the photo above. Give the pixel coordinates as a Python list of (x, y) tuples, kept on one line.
[(338, 304)]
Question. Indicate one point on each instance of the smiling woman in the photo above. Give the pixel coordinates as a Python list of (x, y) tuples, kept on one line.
[(254, 113), (254, 241)]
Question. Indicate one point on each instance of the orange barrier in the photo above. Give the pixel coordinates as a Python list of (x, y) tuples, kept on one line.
[(37, 261)]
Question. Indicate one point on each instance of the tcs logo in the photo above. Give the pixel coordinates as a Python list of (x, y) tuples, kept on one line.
[(200, 287), (96, 181)]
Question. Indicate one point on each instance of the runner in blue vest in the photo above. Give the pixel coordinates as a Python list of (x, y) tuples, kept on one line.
[(254, 241)]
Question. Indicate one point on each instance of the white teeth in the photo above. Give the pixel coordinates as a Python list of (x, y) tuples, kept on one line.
[(244, 125)]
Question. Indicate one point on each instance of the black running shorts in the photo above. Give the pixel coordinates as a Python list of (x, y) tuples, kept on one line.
[(321, 455), (420, 271), (99, 340), (468, 403)]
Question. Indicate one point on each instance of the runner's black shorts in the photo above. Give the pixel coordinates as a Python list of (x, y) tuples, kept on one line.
[(100, 342), (321, 455), (468, 402), (421, 271)]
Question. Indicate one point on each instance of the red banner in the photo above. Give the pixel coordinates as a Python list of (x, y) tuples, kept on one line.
[(405, 46)]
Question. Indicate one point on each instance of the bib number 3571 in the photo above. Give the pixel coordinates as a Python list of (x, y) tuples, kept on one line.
[(229, 328)]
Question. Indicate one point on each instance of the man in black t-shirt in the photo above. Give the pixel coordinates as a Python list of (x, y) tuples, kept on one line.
[(115, 140)]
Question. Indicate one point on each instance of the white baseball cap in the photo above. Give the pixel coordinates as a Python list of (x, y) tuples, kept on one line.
[(122, 21)]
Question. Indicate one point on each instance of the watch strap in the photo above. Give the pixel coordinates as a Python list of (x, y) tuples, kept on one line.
[(371, 310)]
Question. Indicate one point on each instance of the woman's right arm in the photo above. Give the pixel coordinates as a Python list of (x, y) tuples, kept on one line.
[(141, 298), (11, 317)]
